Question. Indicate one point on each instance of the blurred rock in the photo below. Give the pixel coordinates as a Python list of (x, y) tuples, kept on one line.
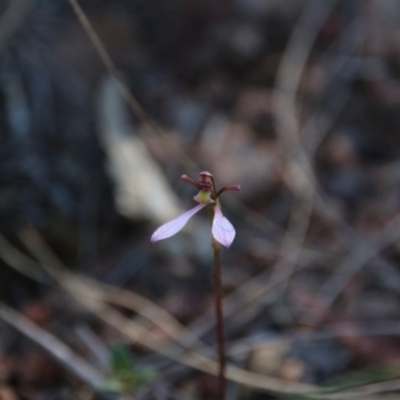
[(269, 359), (187, 115), (231, 150), (141, 189), (323, 359)]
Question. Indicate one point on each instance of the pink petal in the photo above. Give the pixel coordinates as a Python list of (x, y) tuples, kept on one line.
[(170, 228), (222, 230)]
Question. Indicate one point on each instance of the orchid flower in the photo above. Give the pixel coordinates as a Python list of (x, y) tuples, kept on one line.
[(222, 230)]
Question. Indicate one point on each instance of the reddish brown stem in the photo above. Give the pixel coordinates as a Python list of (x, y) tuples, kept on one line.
[(218, 290)]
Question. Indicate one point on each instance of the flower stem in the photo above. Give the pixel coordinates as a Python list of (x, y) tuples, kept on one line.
[(218, 293)]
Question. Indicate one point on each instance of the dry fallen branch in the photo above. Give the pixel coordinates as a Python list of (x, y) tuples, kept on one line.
[(57, 349), (86, 295), (104, 293), (79, 290)]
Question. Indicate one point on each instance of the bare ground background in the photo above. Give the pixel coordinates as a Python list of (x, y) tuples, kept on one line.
[(104, 107)]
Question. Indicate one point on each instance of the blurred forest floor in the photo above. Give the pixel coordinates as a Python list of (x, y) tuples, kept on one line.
[(104, 107)]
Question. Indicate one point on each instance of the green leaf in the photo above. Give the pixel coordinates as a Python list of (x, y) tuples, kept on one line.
[(124, 376), (121, 361)]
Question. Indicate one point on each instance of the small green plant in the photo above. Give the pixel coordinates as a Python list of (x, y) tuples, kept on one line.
[(223, 234), (125, 378)]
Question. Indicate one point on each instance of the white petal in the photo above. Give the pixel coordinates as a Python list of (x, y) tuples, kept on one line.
[(222, 230), (170, 228)]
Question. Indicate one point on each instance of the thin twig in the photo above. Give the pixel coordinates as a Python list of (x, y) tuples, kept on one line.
[(330, 331), (108, 293), (61, 352), (150, 126), (77, 286), (109, 64), (21, 263), (195, 360)]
